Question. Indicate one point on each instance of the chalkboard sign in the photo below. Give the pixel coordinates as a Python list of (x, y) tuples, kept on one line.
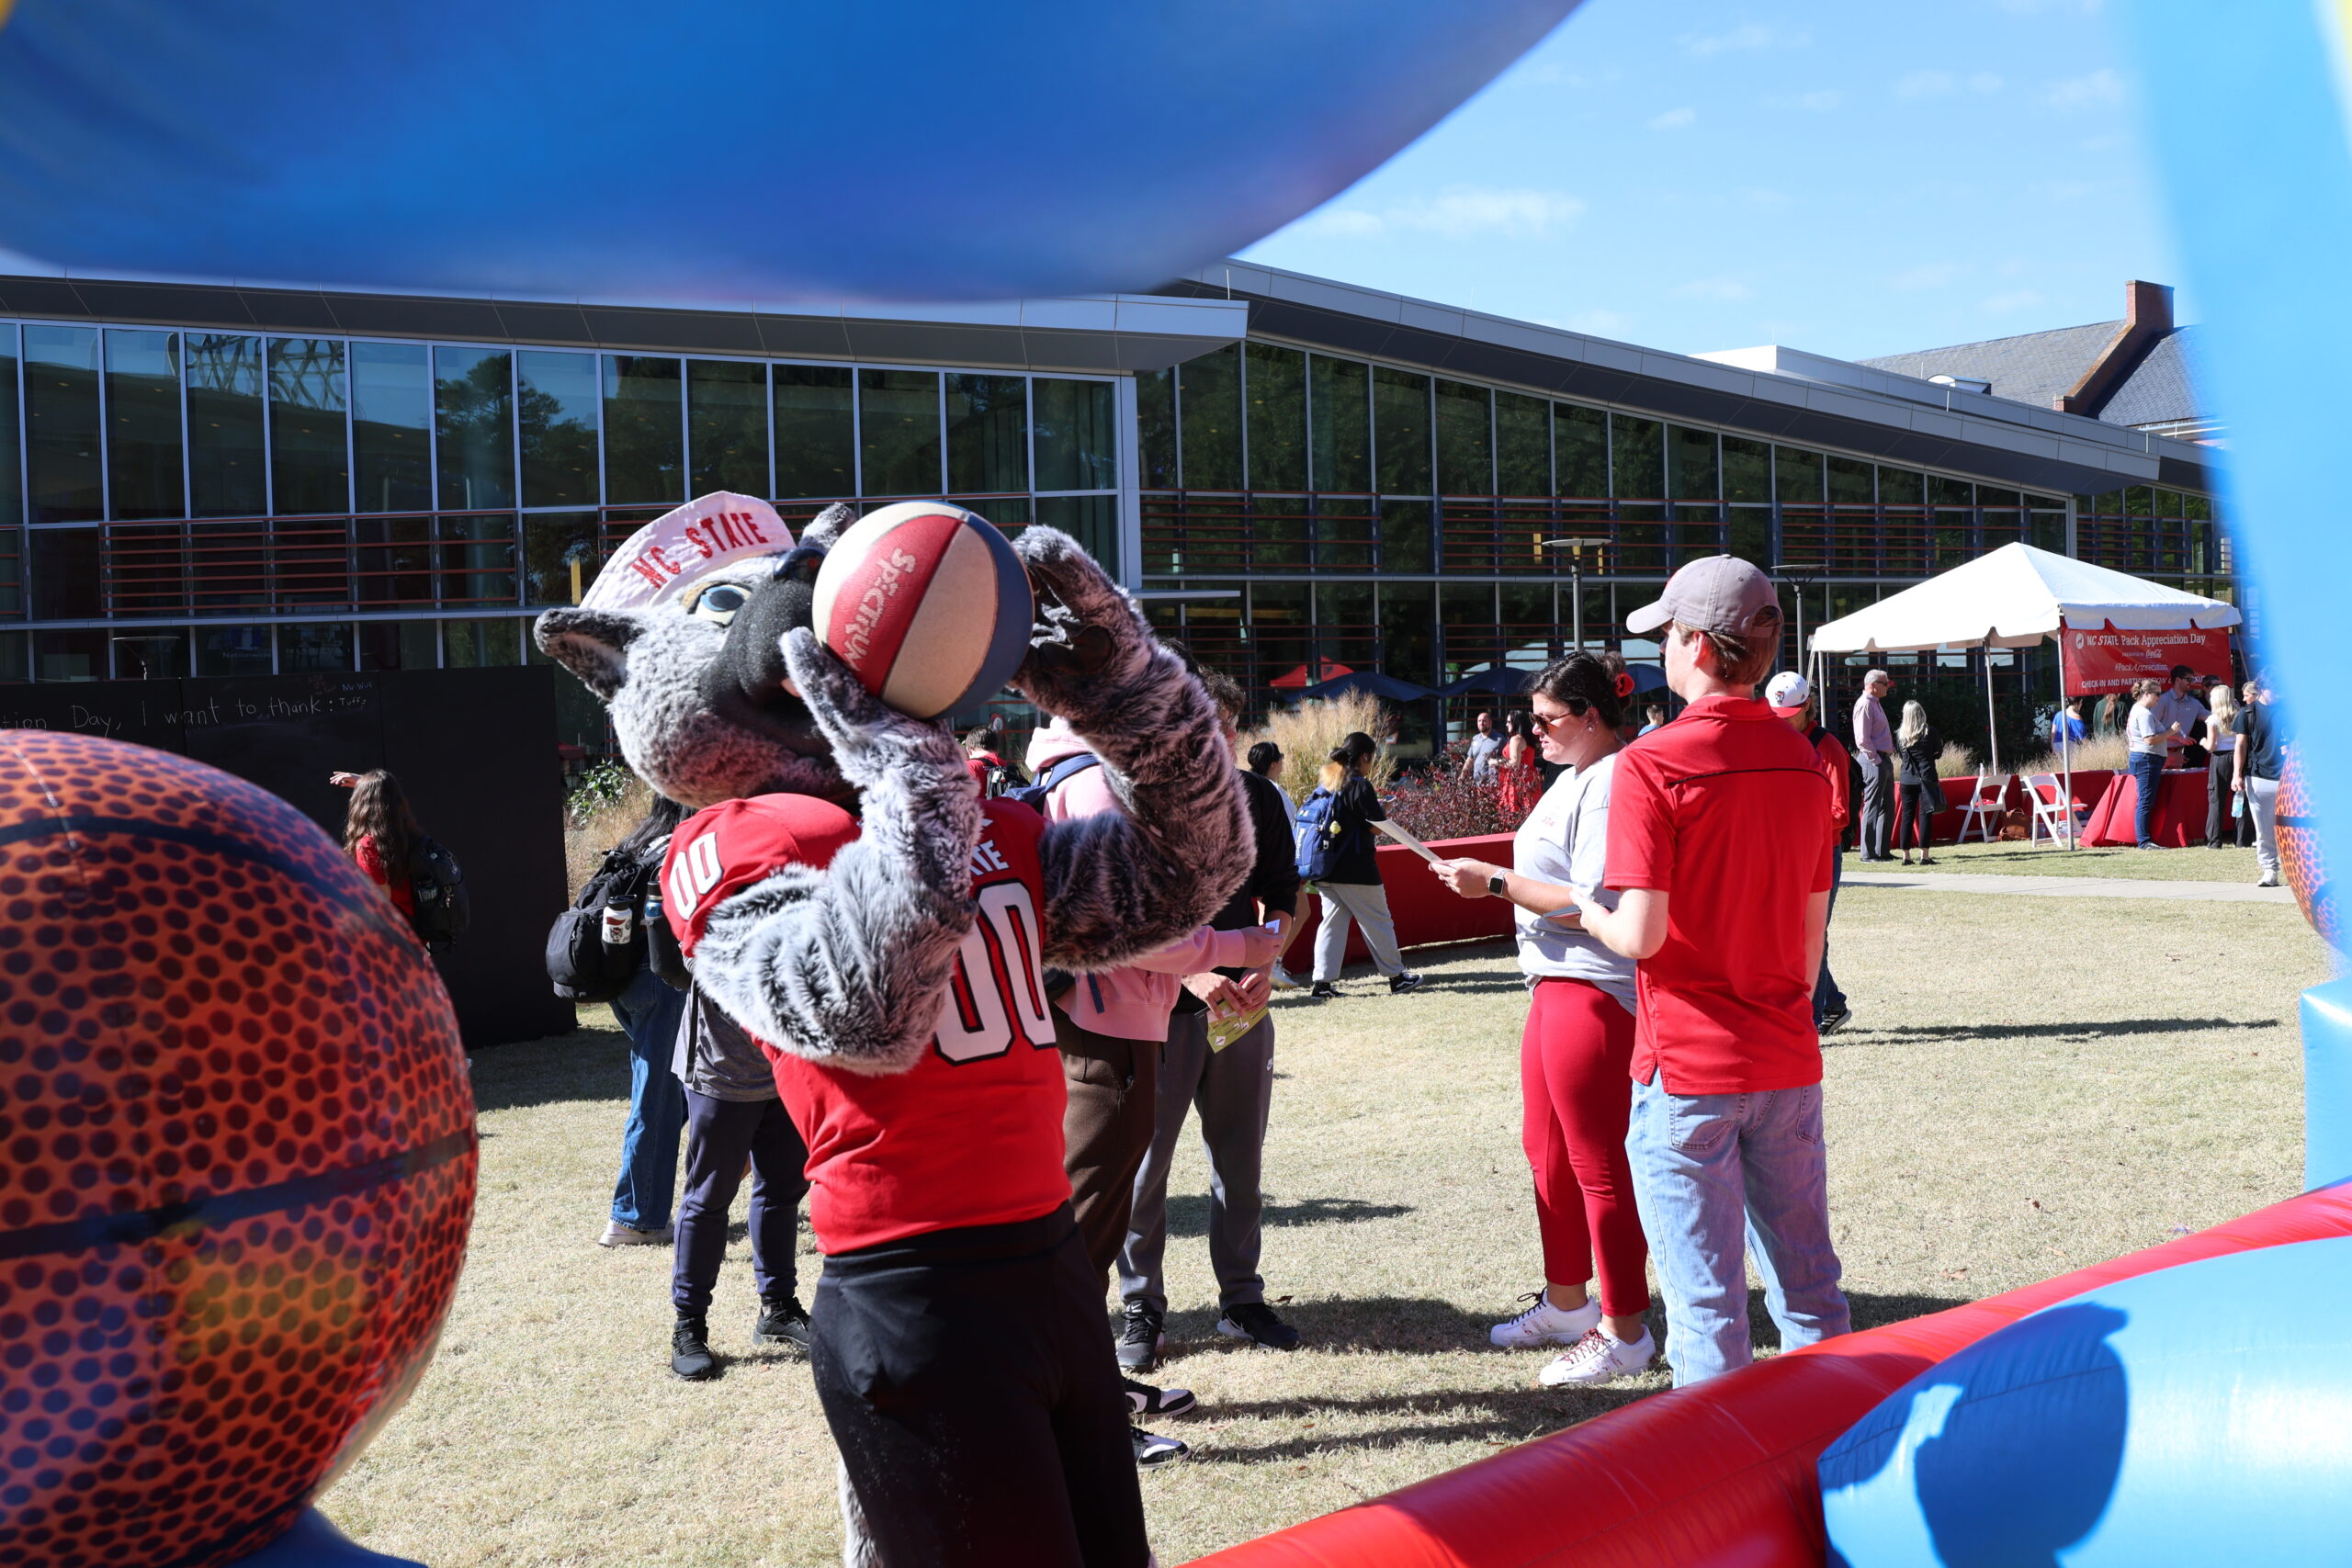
[(474, 749)]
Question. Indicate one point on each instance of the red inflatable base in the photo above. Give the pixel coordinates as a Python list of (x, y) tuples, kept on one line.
[(1720, 1475)]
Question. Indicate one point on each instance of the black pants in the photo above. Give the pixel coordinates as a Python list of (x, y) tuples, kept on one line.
[(2220, 828), (720, 1135), (1920, 803), (969, 1380)]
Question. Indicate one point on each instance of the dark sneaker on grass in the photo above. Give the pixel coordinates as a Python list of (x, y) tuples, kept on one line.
[(690, 1356), (1145, 1401), (1322, 988), (1256, 1322), (1399, 983), (1140, 1338), (1151, 1449), (782, 1323), (1833, 1022)]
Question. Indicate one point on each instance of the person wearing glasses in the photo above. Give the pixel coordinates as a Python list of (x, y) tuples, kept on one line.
[(1576, 1051)]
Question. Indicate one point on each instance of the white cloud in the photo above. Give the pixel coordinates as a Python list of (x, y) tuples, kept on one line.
[(1454, 212), (1676, 119), (1930, 275), (1599, 323), (1984, 81), (2015, 300), (1724, 289), (1739, 40), (2101, 89), (1820, 102), (1918, 85), (2104, 144), (2065, 193)]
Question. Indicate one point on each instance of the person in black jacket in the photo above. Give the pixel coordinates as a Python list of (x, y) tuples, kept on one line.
[(1922, 788), (648, 1012), (1351, 887), (1232, 1088)]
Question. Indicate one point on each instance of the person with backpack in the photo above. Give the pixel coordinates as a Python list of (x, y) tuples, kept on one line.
[(1336, 854), (1790, 696), (620, 905), (420, 877)]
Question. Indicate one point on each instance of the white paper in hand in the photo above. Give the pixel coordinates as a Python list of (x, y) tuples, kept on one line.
[(1410, 842)]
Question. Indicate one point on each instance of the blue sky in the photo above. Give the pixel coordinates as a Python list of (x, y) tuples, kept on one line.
[(1853, 178)]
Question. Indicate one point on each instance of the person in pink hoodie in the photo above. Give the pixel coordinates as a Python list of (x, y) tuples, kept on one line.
[(1110, 1026)]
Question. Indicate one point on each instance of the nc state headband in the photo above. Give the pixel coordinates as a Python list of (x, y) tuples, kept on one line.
[(661, 560)]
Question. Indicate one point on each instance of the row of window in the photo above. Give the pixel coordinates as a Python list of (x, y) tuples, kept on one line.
[(471, 560), (133, 425), (163, 653), (1260, 416)]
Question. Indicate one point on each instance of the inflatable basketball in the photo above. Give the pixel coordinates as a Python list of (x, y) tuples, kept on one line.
[(2301, 861), (236, 1159), (928, 604)]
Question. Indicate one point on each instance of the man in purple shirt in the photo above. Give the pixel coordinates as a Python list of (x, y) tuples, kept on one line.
[(1874, 750)]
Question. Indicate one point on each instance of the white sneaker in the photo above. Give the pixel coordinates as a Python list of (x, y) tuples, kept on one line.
[(2268, 881), (619, 1235), (1283, 980), (1598, 1357), (1544, 1323)]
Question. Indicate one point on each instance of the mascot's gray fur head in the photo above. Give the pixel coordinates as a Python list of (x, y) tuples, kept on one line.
[(696, 685)]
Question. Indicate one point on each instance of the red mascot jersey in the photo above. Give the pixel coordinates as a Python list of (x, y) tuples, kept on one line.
[(972, 1134)]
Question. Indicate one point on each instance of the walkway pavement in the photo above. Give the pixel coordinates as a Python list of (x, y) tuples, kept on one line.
[(2070, 886)]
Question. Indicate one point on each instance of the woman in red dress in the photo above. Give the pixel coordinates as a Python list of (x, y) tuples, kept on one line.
[(1517, 779), (379, 832)]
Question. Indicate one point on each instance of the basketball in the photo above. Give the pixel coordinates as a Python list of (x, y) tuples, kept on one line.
[(2301, 861), (239, 1158), (928, 604)]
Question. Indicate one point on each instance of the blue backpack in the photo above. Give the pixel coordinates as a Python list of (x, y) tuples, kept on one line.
[(1032, 794), (1319, 833)]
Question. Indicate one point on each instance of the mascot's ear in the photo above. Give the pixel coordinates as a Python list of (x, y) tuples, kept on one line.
[(592, 644), (824, 530)]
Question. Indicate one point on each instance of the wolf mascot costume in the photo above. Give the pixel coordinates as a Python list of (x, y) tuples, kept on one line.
[(893, 964)]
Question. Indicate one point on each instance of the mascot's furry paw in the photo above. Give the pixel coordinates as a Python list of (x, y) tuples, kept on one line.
[(870, 739), (1090, 642)]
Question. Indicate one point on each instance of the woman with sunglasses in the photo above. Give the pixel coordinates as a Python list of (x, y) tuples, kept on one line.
[(1576, 1057)]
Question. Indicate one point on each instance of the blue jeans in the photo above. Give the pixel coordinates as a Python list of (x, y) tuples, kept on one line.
[(1829, 1000), (1716, 1175), (2147, 772), (649, 1011)]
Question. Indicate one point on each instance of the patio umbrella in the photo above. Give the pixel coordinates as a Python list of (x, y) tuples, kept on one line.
[(1501, 680), (1387, 687)]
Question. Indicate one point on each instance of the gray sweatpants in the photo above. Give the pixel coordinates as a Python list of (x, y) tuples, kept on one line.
[(2262, 800), (1367, 903), (1234, 1090)]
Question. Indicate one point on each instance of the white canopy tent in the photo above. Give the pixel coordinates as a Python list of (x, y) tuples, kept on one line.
[(2013, 597)]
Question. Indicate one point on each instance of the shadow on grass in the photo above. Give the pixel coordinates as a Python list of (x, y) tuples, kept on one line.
[(587, 1064), (2098, 1029), (1188, 1213), (1396, 1324)]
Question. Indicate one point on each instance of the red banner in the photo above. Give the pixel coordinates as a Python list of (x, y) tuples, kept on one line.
[(2109, 661)]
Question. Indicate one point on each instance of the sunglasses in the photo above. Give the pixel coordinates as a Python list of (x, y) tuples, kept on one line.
[(1577, 708)]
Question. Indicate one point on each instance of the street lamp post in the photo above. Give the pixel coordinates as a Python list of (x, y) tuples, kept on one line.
[(1576, 581)]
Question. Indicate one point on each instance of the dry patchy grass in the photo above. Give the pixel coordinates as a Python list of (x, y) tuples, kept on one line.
[(2195, 863), (2031, 1085)]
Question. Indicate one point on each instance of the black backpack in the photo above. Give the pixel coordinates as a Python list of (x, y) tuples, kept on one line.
[(1033, 796), (444, 907), (1002, 779), (582, 965)]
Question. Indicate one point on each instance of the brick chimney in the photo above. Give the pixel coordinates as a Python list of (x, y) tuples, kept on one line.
[(2147, 316)]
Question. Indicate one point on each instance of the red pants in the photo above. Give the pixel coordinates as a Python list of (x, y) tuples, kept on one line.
[(1575, 1075)]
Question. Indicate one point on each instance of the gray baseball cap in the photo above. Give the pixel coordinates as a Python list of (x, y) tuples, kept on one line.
[(1714, 594)]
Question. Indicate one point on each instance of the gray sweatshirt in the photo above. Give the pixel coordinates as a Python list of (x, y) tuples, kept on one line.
[(715, 1058)]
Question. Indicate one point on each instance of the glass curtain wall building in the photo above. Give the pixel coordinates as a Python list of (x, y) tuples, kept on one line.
[(1300, 477)]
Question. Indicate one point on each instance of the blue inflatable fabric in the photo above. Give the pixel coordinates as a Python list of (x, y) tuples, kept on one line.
[(711, 150), (314, 1543), (2201, 1414), (2327, 1084)]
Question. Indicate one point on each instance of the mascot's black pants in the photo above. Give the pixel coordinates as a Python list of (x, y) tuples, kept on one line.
[(968, 1379)]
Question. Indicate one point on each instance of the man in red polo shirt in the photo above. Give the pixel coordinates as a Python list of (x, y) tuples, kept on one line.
[(1719, 840)]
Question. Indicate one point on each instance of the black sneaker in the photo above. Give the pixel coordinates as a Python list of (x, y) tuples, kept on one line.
[(1145, 1401), (1151, 1450), (1833, 1022), (782, 1323), (1322, 988), (1256, 1322), (1399, 983), (1140, 1338), (690, 1356)]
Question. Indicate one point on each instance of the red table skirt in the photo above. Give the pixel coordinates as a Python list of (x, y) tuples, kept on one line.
[(2180, 818)]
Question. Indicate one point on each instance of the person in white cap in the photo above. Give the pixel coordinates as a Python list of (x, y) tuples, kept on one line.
[(1790, 695), (1719, 842)]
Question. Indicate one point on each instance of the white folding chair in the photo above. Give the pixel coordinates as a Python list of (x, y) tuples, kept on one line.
[(2053, 813), (1984, 808)]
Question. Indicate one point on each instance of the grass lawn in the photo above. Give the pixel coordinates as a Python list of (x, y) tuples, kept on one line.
[(2196, 863), (2031, 1084)]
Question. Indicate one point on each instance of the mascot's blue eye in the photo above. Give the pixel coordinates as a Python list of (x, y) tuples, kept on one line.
[(720, 602)]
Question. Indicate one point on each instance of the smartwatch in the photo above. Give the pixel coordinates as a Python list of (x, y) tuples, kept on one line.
[(1496, 884)]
